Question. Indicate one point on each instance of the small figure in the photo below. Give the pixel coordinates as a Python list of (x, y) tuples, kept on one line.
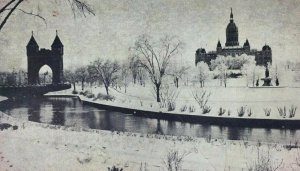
[(277, 81), (257, 82)]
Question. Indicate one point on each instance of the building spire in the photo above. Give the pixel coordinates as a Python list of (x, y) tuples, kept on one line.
[(32, 33), (56, 32), (231, 15)]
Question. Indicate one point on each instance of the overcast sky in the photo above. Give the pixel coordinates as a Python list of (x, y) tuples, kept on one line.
[(117, 24)]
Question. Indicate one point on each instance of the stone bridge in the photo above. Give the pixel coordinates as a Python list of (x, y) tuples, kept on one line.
[(31, 90)]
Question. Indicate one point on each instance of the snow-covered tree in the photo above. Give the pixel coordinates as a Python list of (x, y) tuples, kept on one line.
[(177, 72), (222, 73), (106, 71), (250, 71), (82, 75), (124, 75), (70, 77), (202, 73), (155, 57)]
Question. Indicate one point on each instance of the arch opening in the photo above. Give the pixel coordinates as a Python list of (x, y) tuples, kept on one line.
[(45, 75)]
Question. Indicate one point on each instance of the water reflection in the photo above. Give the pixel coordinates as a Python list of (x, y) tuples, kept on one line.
[(71, 112)]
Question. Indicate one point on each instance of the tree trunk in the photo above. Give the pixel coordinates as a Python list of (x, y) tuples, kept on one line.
[(157, 92), (82, 85), (74, 87), (106, 88)]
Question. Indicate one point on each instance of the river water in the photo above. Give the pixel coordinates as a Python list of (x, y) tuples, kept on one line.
[(70, 112)]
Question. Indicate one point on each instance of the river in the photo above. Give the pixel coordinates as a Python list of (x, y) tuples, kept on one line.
[(71, 112)]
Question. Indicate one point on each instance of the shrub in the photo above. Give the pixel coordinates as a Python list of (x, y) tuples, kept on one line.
[(115, 169), (174, 160), (192, 109), (201, 97), (228, 112), (264, 162), (221, 111), (206, 109), (282, 111), (183, 108), (241, 111), (249, 111), (171, 106), (292, 111), (81, 93), (105, 97), (74, 92), (267, 111), (90, 95)]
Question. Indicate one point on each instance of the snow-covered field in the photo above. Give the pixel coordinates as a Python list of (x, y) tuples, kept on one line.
[(35, 146), (230, 99)]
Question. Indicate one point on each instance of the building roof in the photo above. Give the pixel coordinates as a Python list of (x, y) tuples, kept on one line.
[(32, 42), (266, 47), (57, 42)]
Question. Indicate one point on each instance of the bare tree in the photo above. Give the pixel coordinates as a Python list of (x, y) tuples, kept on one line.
[(134, 67), (202, 73), (70, 76), (82, 75), (106, 71), (177, 73), (222, 73), (155, 57), (11, 6), (125, 72)]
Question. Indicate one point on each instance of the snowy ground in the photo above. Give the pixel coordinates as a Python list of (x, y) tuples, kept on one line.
[(36, 146), (231, 99)]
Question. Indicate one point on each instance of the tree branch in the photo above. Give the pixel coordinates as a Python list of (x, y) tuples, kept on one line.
[(5, 6), (10, 12), (31, 13)]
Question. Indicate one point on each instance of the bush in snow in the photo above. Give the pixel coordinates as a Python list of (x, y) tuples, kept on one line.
[(241, 111), (292, 111), (171, 106), (249, 111), (264, 162), (90, 95), (202, 96), (104, 97), (115, 169), (221, 111), (183, 108), (206, 109), (168, 96), (174, 159), (267, 111), (282, 111), (192, 109), (228, 112)]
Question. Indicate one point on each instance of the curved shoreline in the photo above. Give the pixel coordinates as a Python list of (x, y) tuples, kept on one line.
[(196, 119)]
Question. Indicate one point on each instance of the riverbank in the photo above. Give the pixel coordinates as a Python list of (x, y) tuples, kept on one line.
[(231, 102), (138, 106), (36, 146)]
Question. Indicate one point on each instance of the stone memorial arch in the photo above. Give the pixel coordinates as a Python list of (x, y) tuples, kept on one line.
[(37, 58)]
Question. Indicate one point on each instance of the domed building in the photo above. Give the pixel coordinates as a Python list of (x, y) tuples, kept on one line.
[(233, 48)]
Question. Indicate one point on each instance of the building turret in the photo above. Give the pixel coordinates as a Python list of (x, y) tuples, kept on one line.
[(247, 45), (57, 46), (219, 47), (200, 55), (32, 46)]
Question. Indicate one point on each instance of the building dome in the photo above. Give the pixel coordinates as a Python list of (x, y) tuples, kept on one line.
[(232, 35), (266, 47)]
